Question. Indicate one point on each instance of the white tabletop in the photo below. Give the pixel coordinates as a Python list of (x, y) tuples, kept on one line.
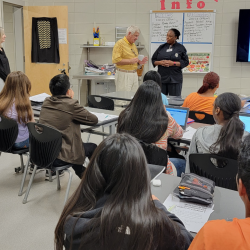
[(227, 203), (120, 95)]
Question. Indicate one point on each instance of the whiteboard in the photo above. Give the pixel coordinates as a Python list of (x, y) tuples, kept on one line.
[(197, 31)]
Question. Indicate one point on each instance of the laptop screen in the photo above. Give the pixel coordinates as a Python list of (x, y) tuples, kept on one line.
[(180, 115), (246, 121)]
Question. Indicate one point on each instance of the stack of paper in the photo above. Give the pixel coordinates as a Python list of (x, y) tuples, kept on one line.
[(189, 133), (104, 117), (193, 215), (39, 98)]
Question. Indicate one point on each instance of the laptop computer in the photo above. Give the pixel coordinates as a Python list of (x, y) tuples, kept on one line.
[(180, 115), (245, 118)]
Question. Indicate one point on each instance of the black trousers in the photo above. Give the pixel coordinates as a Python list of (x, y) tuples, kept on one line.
[(89, 149), (173, 89)]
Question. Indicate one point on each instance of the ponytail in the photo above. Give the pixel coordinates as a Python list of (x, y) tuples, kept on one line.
[(210, 81), (203, 88), (231, 133)]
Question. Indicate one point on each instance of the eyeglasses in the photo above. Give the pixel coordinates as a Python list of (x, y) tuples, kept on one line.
[(134, 52)]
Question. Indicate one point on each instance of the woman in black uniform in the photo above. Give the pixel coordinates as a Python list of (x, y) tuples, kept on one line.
[(4, 62), (170, 58)]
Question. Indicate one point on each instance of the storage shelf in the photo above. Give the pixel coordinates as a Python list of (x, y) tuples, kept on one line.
[(106, 46)]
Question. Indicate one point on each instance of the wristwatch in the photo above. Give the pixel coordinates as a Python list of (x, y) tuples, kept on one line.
[(174, 63)]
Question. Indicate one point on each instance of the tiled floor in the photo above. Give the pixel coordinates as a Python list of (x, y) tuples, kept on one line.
[(30, 226)]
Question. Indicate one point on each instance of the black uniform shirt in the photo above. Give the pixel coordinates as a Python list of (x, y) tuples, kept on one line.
[(4, 65), (171, 74)]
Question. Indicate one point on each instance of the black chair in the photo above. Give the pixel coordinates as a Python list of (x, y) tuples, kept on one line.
[(154, 154), (45, 145), (208, 119), (219, 169), (8, 135), (104, 103)]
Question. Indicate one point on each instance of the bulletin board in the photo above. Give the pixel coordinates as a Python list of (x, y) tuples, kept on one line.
[(197, 35)]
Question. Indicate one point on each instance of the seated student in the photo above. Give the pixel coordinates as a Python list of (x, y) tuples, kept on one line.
[(225, 136), (155, 76), (65, 114), (113, 207), (203, 100), (233, 235), (146, 119), (15, 104)]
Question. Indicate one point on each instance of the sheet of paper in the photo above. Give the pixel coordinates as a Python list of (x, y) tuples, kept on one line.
[(103, 117), (62, 36), (193, 216), (189, 133), (39, 97)]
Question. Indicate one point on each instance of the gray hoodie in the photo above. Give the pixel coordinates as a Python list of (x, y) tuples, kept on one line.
[(203, 138)]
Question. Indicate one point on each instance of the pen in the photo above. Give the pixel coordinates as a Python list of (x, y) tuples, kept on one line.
[(106, 116), (182, 187)]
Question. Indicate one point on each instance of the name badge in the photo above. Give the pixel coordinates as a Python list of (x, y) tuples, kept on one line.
[(169, 50)]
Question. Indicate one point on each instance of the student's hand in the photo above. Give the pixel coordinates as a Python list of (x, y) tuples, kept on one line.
[(144, 60), (154, 198), (134, 60)]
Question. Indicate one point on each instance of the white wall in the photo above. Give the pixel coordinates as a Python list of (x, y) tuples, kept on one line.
[(107, 14), (9, 45)]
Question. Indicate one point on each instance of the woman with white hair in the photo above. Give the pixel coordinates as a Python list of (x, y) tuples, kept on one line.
[(125, 56), (4, 62)]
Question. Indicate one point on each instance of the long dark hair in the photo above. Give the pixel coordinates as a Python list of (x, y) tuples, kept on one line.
[(210, 81), (118, 169), (145, 117), (230, 136)]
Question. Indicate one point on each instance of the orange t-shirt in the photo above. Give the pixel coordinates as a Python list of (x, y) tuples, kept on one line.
[(195, 102), (223, 235)]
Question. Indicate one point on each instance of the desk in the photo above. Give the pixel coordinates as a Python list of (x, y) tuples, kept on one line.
[(90, 128), (195, 125), (120, 95), (128, 96), (82, 76), (227, 203), (109, 123)]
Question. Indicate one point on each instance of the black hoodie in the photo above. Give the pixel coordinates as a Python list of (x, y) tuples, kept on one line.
[(81, 225)]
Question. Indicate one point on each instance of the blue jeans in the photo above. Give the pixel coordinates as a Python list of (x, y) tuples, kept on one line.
[(180, 165), (22, 144)]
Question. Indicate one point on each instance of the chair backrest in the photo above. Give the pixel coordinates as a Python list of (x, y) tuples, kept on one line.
[(154, 154), (219, 169), (8, 133), (104, 103), (45, 144), (208, 119)]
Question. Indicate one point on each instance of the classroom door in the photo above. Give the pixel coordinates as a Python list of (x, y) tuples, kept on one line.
[(41, 73)]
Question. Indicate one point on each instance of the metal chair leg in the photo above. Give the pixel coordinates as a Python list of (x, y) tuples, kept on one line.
[(88, 137), (22, 166), (29, 186), (24, 176), (68, 187), (50, 175), (58, 180), (103, 132)]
